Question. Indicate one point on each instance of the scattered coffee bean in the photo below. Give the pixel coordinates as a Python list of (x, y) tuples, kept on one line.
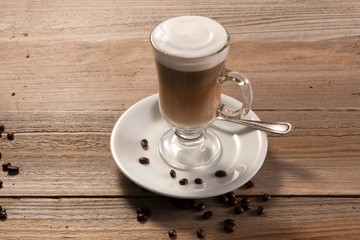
[(5, 166), (10, 136), (223, 199), (231, 195), (172, 173), (3, 215), (144, 143), (200, 233), (145, 211), (239, 210), (266, 197), (183, 181), (260, 210), (233, 202), (13, 94), (144, 160), (220, 173), (172, 234), (142, 218), (2, 128), (200, 206), (207, 215), (245, 201), (250, 184), (198, 181), (230, 221), (229, 228), (13, 170)]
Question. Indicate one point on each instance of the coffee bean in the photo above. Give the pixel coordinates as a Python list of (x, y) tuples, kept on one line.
[(172, 234), (231, 195), (230, 221), (260, 210), (144, 160), (266, 197), (142, 218), (144, 143), (10, 136), (13, 170), (233, 202), (207, 215), (183, 181), (239, 210), (250, 184), (2, 128), (200, 206), (3, 215), (5, 166), (172, 173), (229, 228), (198, 181), (200, 233), (223, 199), (245, 201), (220, 173), (145, 211)]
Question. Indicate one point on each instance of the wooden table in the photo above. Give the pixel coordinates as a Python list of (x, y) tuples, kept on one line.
[(69, 69)]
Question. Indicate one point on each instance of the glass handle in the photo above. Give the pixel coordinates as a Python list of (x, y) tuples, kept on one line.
[(244, 83)]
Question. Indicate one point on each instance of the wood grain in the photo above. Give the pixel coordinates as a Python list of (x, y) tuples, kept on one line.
[(69, 70), (83, 218)]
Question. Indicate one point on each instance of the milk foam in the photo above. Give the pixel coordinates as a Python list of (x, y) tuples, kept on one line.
[(190, 43)]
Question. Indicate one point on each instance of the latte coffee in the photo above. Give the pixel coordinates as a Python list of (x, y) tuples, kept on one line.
[(190, 53)]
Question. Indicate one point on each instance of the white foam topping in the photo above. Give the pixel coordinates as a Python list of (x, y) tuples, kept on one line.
[(190, 43)]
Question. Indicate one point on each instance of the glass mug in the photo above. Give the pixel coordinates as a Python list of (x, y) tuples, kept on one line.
[(190, 53)]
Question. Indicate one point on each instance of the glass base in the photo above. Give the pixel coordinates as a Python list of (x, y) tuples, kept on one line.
[(185, 154)]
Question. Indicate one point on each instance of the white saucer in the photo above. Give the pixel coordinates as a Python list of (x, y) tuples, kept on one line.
[(244, 152)]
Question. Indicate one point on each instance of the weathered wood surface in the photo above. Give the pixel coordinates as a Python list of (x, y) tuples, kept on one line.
[(75, 67)]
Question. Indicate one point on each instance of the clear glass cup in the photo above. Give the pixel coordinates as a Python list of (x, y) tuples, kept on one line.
[(190, 53)]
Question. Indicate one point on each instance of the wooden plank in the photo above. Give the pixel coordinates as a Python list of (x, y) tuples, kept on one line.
[(305, 123), (81, 164), (105, 75), (110, 218)]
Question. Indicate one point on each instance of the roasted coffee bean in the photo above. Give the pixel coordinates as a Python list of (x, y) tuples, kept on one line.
[(2, 128), (145, 211), (144, 160), (3, 215), (230, 221), (142, 218), (13, 170), (266, 197), (245, 201), (231, 195), (229, 228), (250, 184), (200, 206), (172, 234), (183, 181), (220, 173), (233, 202), (223, 199), (239, 210), (5, 166), (260, 210), (10, 136), (198, 181), (144, 143), (207, 215), (200, 233), (172, 173)]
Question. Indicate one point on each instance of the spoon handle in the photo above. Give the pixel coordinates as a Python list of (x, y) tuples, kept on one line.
[(272, 127)]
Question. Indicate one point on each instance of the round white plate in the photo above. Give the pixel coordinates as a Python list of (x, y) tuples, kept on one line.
[(243, 153)]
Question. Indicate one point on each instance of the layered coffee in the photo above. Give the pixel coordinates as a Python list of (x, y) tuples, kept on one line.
[(190, 52)]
